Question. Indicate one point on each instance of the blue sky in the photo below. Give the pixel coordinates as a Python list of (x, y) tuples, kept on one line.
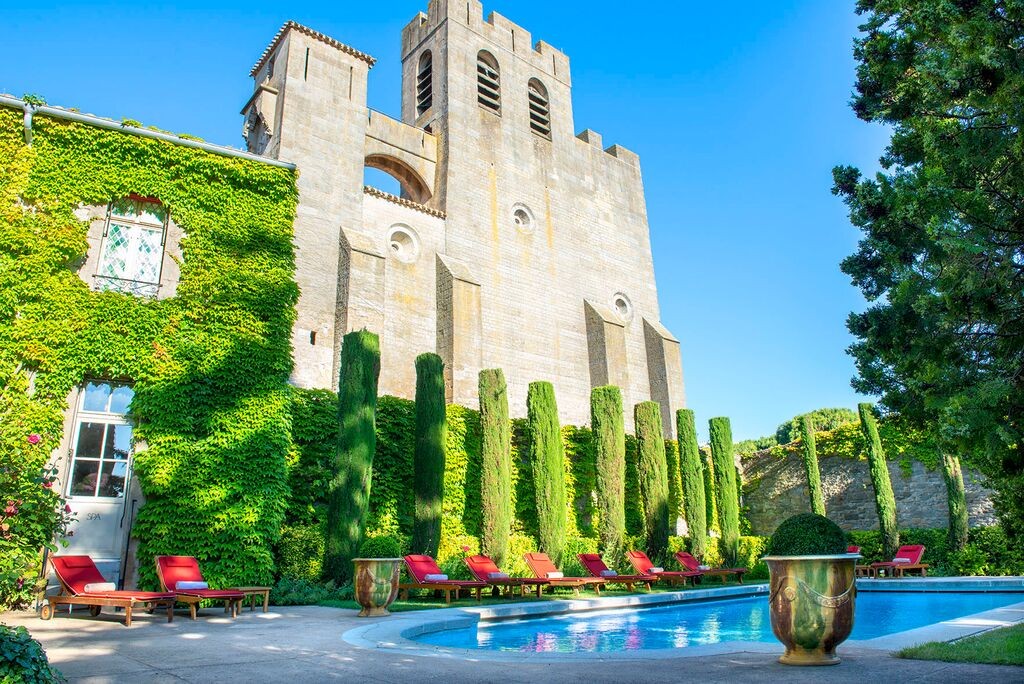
[(737, 110)]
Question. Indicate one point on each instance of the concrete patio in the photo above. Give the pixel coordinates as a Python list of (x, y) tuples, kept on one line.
[(306, 644)]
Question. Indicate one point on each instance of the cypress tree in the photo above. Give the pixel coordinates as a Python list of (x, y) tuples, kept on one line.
[(675, 485), (653, 476), (693, 482), (810, 452), (957, 501), (725, 489), (548, 460), (348, 492), (710, 494), (428, 454), (606, 420), (496, 473), (885, 502)]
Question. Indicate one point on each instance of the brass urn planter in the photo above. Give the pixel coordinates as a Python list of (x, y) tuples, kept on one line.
[(376, 584), (812, 602)]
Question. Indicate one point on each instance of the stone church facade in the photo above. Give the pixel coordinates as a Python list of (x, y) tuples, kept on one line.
[(516, 243)]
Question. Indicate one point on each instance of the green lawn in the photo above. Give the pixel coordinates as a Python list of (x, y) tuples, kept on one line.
[(1003, 646)]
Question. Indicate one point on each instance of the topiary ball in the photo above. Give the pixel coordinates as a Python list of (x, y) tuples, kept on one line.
[(807, 534)]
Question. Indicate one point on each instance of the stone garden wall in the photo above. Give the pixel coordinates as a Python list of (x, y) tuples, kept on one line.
[(776, 488)]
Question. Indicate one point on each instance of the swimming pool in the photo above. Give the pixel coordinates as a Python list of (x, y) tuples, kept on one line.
[(703, 623)]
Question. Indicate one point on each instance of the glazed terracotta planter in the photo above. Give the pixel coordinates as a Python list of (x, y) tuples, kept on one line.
[(812, 600), (376, 584)]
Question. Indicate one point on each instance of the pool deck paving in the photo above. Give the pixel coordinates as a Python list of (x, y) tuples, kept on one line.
[(313, 644)]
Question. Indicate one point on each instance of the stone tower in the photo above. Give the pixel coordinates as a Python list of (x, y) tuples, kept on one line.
[(516, 244)]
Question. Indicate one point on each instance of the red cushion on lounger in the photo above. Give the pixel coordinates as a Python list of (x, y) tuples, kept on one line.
[(482, 567), (420, 566), (174, 569), (687, 561), (76, 571)]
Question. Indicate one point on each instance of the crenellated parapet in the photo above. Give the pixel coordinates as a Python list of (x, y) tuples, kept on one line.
[(593, 139), (496, 29)]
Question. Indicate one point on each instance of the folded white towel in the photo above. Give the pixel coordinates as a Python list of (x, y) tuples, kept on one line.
[(703, 567), (435, 577), (655, 571), (900, 560), (556, 575), (497, 575), (185, 585), (609, 573), (94, 587)]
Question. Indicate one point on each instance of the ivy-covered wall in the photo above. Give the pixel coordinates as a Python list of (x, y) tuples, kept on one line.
[(391, 494), (209, 365)]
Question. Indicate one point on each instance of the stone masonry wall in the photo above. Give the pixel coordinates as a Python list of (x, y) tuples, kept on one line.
[(776, 488)]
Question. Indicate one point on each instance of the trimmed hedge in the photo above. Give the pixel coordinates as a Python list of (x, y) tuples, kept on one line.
[(428, 456), (806, 534), (348, 492)]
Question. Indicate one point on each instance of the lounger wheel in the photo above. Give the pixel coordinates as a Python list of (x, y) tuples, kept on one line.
[(47, 612), (95, 610)]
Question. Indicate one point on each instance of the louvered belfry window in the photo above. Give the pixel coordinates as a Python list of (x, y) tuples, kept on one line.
[(424, 83), (540, 110), (488, 82)]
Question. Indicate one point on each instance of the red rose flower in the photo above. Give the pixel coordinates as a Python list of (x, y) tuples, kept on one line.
[(67, 508), (34, 438)]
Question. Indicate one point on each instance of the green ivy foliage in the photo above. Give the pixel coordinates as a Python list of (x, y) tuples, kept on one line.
[(23, 660), (209, 365)]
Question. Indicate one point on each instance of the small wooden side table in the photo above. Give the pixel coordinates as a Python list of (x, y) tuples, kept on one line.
[(252, 592)]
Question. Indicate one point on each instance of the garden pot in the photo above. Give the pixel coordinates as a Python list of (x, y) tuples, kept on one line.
[(376, 584), (812, 600)]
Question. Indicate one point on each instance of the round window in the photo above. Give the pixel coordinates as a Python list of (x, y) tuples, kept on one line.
[(403, 244), (622, 306), (522, 217)]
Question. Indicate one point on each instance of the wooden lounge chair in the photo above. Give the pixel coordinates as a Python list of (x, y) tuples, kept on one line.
[(860, 570), (594, 564), (644, 566), (688, 562), (907, 558), (421, 567), (542, 568), (79, 577), (486, 570), (181, 574)]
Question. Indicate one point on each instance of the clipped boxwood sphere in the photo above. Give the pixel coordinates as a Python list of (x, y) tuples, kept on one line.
[(807, 534)]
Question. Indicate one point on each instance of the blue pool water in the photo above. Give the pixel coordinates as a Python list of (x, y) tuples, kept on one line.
[(707, 622)]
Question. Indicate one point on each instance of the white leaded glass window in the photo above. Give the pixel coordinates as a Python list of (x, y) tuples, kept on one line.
[(133, 247), (102, 441)]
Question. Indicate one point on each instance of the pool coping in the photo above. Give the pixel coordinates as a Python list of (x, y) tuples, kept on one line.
[(392, 634)]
